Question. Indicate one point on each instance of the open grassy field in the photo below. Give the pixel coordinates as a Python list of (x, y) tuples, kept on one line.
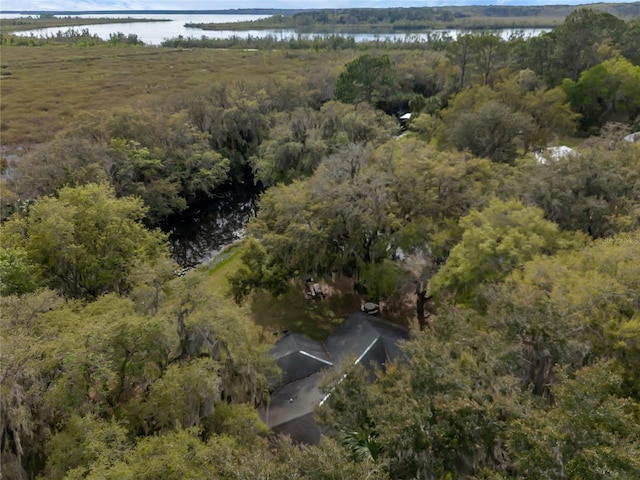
[(44, 87)]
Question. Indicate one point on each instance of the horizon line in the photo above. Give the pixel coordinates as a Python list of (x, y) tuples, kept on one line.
[(462, 4)]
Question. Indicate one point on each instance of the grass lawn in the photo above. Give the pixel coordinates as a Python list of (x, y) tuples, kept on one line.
[(291, 311), (220, 267)]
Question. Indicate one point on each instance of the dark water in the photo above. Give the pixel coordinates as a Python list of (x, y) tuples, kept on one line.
[(201, 231)]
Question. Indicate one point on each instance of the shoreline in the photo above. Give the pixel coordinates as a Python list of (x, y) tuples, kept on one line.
[(10, 25)]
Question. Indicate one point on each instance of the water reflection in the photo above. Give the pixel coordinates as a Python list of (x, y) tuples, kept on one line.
[(200, 232)]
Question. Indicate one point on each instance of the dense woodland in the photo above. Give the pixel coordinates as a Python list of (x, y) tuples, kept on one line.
[(412, 18), (524, 364)]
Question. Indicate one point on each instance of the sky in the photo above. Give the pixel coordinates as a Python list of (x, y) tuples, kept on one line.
[(85, 5)]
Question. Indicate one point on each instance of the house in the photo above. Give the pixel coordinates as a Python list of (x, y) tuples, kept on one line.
[(361, 339)]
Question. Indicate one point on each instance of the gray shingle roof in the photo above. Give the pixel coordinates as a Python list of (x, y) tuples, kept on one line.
[(291, 403), (361, 338), (299, 356), (367, 338)]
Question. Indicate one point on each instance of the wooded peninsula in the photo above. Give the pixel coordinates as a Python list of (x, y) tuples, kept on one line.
[(472, 17), (476, 199)]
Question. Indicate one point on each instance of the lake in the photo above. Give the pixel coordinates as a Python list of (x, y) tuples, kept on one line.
[(152, 33)]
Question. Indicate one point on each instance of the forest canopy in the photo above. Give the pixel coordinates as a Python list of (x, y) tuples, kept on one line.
[(499, 222)]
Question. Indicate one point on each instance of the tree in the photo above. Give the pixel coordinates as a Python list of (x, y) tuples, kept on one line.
[(572, 308), (489, 132), (161, 157), (366, 79), (100, 367), (336, 220), (294, 150), (359, 207), (175, 455), (547, 110), (237, 120), (486, 53), (86, 241), (630, 41), (433, 189), (23, 384), (443, 411), (359, 124), (185, 395), (459, 52), (589, 433), (538, 56), (78, 377), (210, 326), (609, 91), (83, 441), (495, 242), (257, 271), (516, 111), (594, 191), (136, 173), (578, 38), (184, 454), (17, 274), (422, 74), (62, 162), (551, 115)]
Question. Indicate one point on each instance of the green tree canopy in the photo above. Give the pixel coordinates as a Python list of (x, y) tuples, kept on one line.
[(607, 92), (162, 158), (574, 306), (495, 242), (86, 241), (17, 274), (81, 380), (578, 39), (366, 79), (443, 411), (517, 112), (360, 206), (595, 191), (590, 432)]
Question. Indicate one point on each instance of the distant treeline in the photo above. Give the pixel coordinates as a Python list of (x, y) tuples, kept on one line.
[(429, 17), (239, 11), (8, 25)]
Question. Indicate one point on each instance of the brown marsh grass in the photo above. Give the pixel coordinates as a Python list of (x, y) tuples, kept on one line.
[(43, 87)]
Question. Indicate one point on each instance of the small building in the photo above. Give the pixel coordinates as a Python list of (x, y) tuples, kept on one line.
[(361, 338), (404, 121)]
